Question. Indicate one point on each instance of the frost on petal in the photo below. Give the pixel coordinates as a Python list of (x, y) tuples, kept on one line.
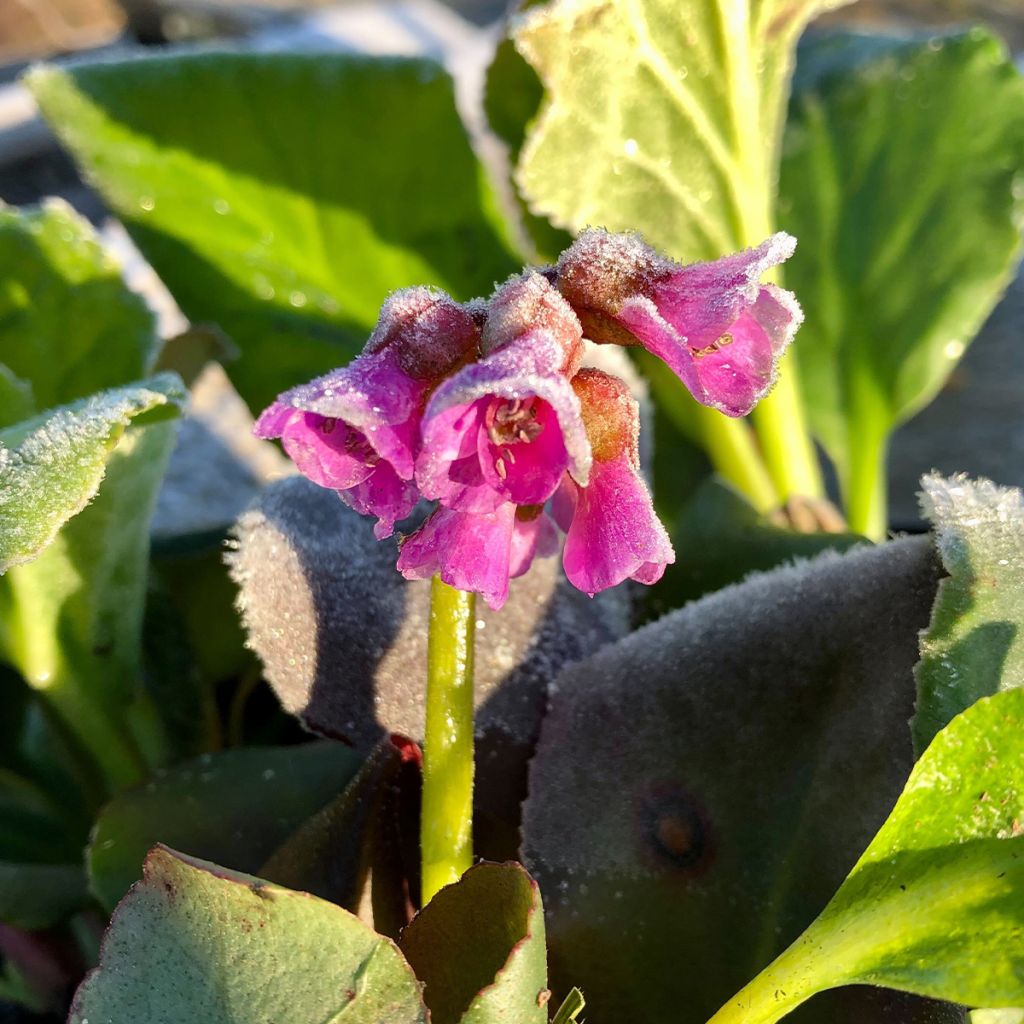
[(427, 332), (374, 395), (716, 327), (529, 303), (469, 551), (503, 429), (614, 534)]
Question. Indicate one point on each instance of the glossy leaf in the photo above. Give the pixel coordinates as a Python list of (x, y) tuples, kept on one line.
[(936, 903), (478, 946), (974, 644), (235, 807), (73, 615), (283, 196), (902, 177), (701, 787), (69, 326), (196, 942)]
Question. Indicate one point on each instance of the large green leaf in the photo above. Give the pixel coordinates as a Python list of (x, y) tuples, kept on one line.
[(283, 196), (701, 788), (661, 116), (234, 807), (478, 947), (974, 644), (194, 942), (936, 903), (69, 326), (72, 617), (902, 177)]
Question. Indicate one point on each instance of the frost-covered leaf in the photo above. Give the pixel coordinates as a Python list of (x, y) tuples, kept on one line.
[(936, 903), (478, 947), (51, 467), (343, 637), (661, 116), (73, 615), (195, 942), (974, 644), (902, 177), (69, 326), (234, 807), (282, 196), (701, 787)]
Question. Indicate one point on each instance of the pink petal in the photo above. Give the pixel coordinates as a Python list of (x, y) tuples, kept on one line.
[(448, 467), (382, 494), (468, 551), (456, 418), (326, 451), (614, 533), (376, 397), (531, 470), (531, 538)]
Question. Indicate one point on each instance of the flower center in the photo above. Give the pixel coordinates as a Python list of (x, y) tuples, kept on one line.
[(715, 346), (511, 423)]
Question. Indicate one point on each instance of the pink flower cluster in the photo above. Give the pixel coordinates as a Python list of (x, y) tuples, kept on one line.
[(485, 409)]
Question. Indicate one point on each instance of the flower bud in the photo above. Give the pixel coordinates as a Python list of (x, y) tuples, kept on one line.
[(429, 333)]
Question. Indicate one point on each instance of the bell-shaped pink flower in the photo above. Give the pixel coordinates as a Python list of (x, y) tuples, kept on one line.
[(714, 324), (612, 532), (357, 429), (506, 429), (478, 552)]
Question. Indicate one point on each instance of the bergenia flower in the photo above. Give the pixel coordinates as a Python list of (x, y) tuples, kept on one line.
[(714, 324), (507, 428), (357, 429), (612, 532), (478, 552)]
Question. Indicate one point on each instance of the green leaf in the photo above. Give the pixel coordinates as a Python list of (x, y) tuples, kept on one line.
[(661, 116), (69, 326), (350, 851), (701, 787), (234, 807), (36, 896), (974, 644), (72, 617), (478, 946), (51, 467), (283, 196), (41, 875), (902, 178), (195, 942), (936, 903)]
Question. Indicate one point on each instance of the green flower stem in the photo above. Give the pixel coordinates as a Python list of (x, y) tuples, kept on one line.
[(446, 829), (733, 451), (864, 478), (781, 426)]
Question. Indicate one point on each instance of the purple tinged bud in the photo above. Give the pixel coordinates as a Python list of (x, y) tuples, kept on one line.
[(529, 303), (429, 333)]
